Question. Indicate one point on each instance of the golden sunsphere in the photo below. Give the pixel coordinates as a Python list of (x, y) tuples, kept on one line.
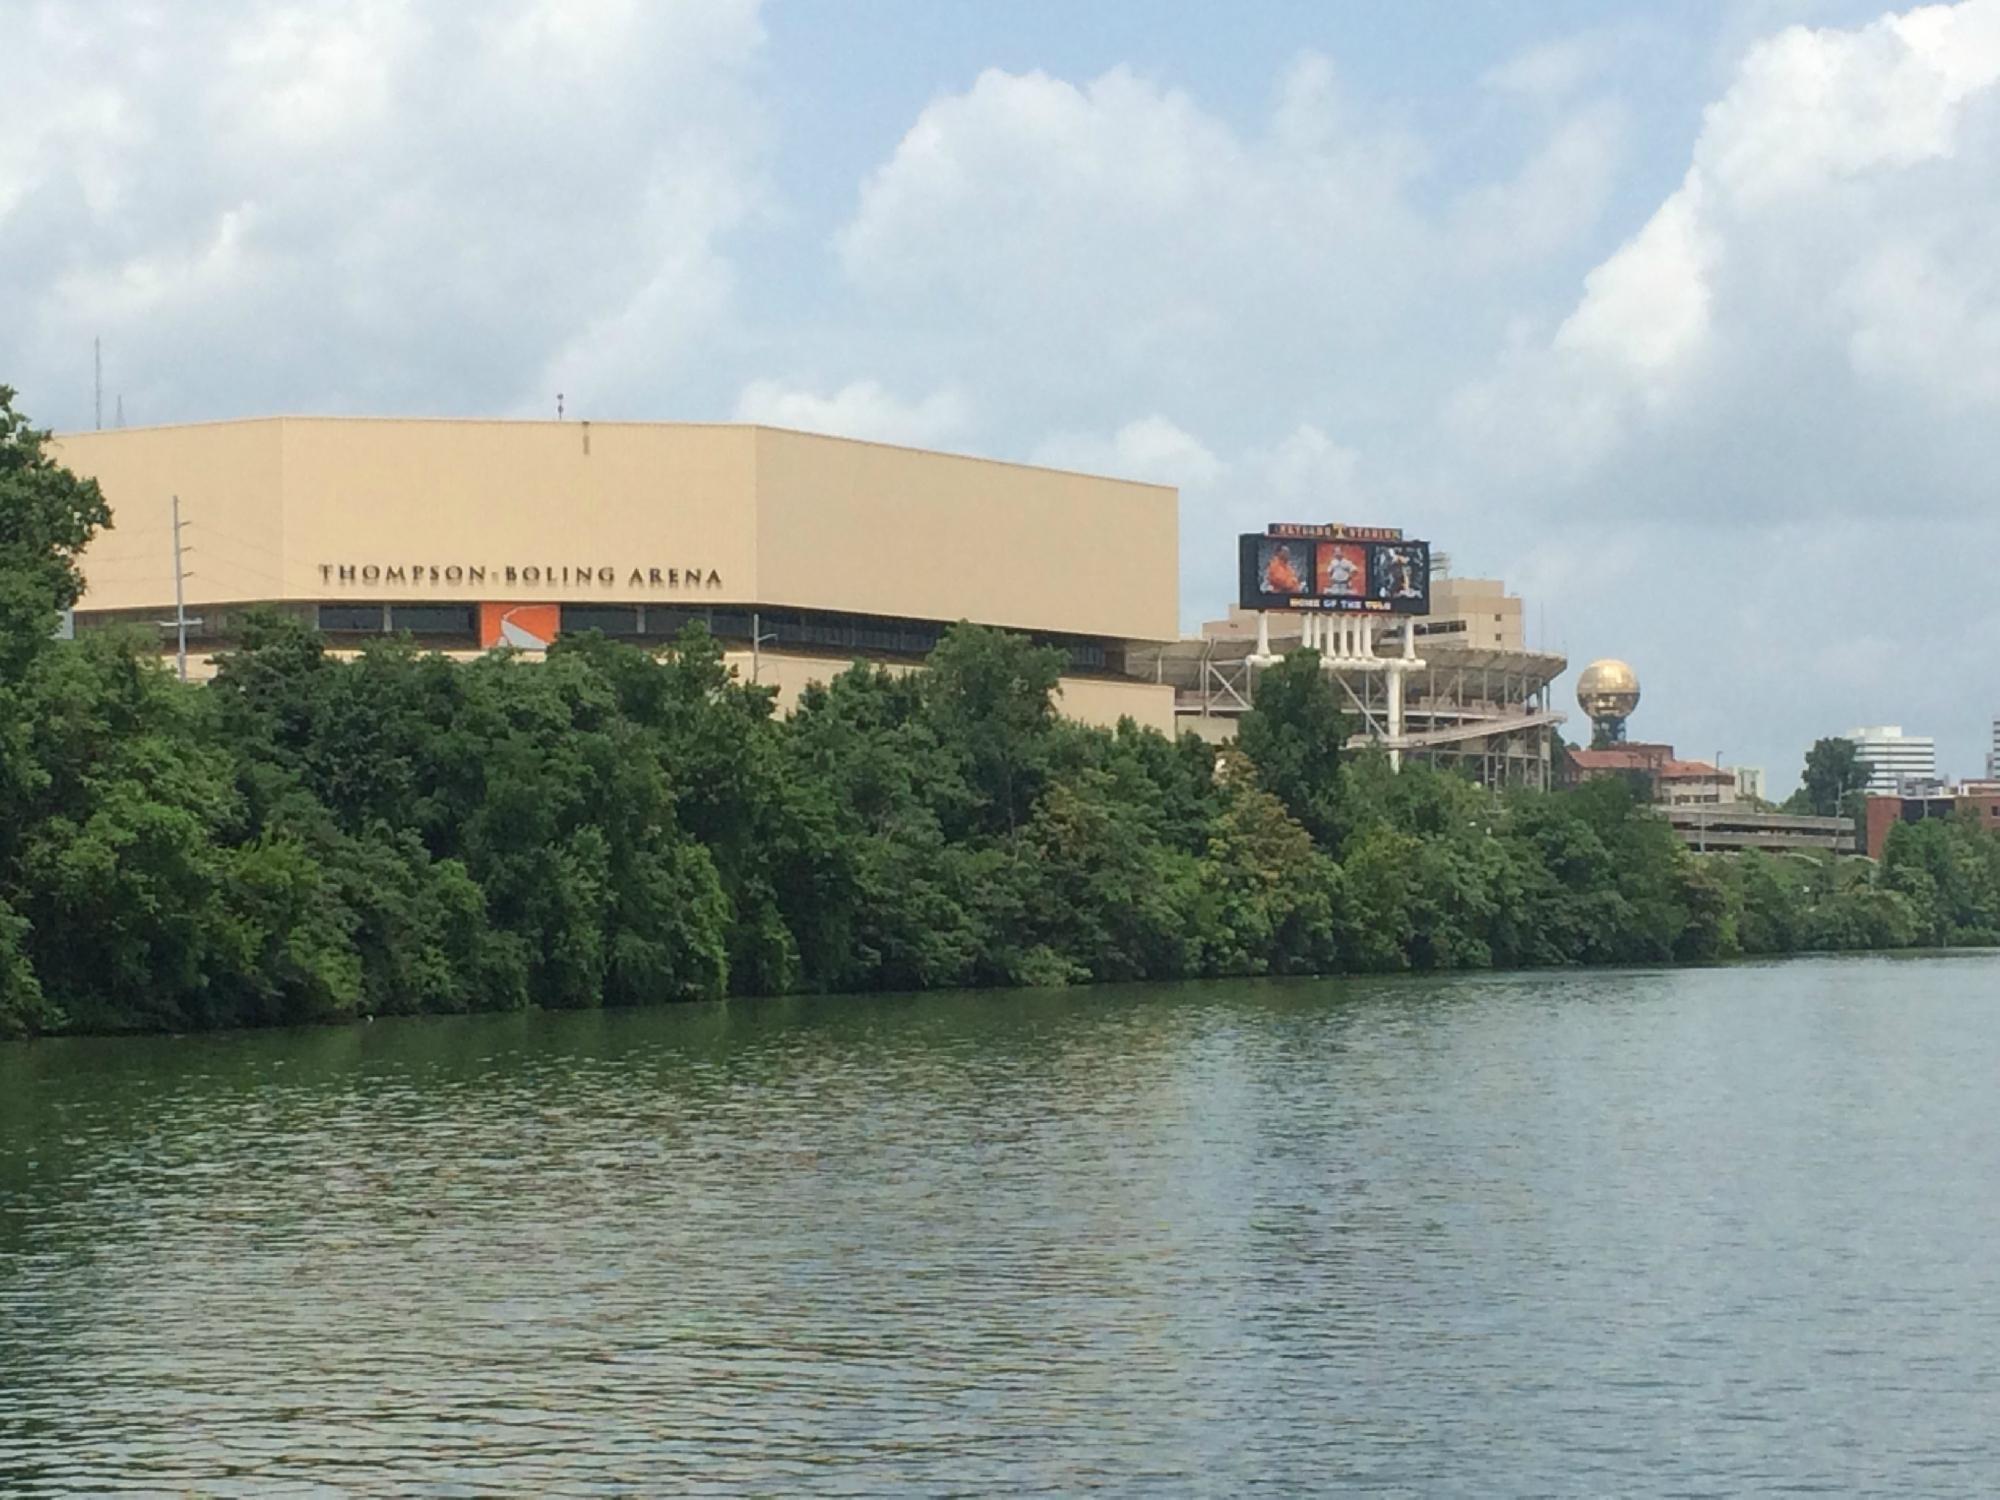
[(1608, 689)]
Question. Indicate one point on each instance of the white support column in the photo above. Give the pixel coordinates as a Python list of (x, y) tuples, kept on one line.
[(1263, 658), (1398, 667), (1395, 717)]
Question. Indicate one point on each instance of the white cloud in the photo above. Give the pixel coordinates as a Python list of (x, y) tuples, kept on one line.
[(1810, 108), (1306, 475), (1097, 249), (1646, 310), (1115, 234), (1308, 468), (391, 205), (1554, 69), (313, 77), (1557, 196), (1787, 383), (1926, 317), (1821, 280), (1151, 448), (1085, 250), (1734, 435), (860, 409)]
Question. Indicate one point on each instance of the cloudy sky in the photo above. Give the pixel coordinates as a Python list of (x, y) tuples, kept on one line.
[(1683, 318)]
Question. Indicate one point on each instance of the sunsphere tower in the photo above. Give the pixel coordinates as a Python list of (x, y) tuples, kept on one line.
[(1608, 691)]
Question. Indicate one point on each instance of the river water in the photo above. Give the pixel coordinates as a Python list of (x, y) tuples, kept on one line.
[(1699, 1233)]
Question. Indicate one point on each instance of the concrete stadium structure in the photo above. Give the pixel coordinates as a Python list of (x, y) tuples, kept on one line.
[(801, 552), (1479, 704)]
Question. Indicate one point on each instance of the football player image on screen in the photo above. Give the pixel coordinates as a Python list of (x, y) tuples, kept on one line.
[(1396, 575), (1342, 573), (1409, 578), (1281, 573)]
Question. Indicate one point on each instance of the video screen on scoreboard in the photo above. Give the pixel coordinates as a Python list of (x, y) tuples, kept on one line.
[(1334, 573)]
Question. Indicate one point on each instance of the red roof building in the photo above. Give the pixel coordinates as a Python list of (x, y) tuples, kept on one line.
[(1675, 782)]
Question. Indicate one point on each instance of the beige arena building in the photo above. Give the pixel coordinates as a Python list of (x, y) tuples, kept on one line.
[(802, 553)]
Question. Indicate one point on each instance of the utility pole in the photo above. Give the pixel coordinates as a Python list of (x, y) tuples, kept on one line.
[(181, 620), (97, 382)]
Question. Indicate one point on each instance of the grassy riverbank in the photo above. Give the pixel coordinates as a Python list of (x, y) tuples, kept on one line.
[(312, 839)]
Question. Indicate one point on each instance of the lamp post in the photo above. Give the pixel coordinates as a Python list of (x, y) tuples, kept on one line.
[(757, 639)]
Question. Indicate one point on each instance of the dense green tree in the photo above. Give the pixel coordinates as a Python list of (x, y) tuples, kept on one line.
[(1833, 775), (1605, 881), (315, 837), (152, 898), (47, 516), (1270, 898), (1949, 871), (1115, 902), (1862, 916), (871, 768), (1295, 735), (988, 699), (1773, 896), (24, 1009)]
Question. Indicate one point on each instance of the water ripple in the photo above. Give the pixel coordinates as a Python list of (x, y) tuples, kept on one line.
[(1662, 1234)]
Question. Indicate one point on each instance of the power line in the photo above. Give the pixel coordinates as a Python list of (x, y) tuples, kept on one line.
[(212, 542), (92, 556), (95, 579), (209, 529)]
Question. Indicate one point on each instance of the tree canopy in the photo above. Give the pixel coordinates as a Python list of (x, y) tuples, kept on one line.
[(1834, 773), (313, 837)]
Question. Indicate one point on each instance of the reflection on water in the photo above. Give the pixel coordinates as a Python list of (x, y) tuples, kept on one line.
[(1633, 1233)]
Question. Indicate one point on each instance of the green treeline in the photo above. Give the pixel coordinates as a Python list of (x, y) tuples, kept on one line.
[(312, 839)]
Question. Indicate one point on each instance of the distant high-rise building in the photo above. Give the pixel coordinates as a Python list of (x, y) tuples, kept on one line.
[(1893, 757), (1993, 755), (1476, 612)]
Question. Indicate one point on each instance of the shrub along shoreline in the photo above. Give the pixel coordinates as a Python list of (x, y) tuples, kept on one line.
[(315, 839)]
